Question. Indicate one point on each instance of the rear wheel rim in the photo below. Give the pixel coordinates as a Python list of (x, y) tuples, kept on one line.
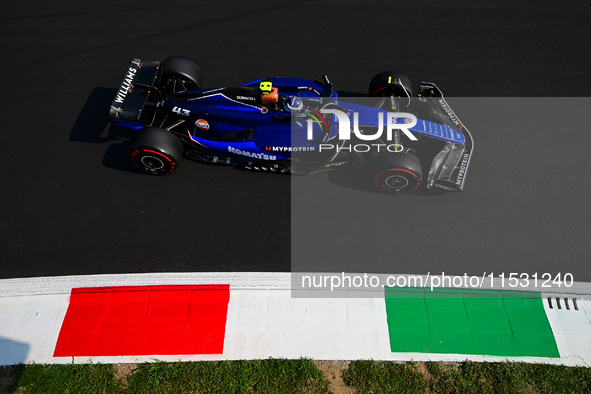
[(396, 181), (153, 162)]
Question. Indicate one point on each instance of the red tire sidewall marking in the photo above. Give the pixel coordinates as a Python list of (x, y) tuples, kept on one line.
[(414, 176), (380, 89), (170, 162)]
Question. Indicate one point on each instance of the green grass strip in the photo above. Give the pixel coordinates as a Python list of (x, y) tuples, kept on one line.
[(479, 322), (64, 379), (368, 376), (257, 376), (298, 376)]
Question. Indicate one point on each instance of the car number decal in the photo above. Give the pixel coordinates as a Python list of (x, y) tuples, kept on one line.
[(181, 111)]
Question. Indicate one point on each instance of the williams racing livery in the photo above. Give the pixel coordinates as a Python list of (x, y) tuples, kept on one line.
[(404, 142)]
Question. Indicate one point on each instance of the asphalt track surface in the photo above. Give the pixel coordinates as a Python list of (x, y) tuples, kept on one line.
[(72, 203)]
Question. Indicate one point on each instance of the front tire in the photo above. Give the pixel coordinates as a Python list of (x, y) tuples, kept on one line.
[(156, 151), (397, 173), (390, 83), (182, 71)]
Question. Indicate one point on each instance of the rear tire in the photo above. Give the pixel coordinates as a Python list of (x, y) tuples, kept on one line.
[(179, 69), (390, 83), (156, 151), (397, 173)]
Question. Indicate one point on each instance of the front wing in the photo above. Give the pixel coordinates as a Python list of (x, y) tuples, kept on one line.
[(449, 167), (127, 106)]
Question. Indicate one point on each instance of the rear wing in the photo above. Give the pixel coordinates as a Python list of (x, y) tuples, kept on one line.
[(133, 92), (449, 167)]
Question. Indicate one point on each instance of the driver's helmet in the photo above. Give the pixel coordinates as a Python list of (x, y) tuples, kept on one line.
[(293, 104)]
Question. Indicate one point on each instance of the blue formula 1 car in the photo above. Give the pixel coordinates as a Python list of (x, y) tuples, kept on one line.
[(290, 125)]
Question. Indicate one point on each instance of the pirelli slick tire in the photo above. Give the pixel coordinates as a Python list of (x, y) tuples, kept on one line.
[(156, 151), (181, 69), (390, 83), (397, 173)]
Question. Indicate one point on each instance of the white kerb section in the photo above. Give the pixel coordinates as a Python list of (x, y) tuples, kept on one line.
[(263, 321)]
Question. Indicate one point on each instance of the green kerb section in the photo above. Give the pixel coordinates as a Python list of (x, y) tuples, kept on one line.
[(477, 322)]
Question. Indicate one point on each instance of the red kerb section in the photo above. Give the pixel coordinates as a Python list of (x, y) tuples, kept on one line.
[(144, 320)]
